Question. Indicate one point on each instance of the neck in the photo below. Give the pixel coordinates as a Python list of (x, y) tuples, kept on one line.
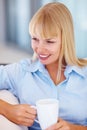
[(53, 72)]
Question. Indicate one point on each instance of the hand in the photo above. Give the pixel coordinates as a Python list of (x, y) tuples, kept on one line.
[(60, 125), (22, 114)]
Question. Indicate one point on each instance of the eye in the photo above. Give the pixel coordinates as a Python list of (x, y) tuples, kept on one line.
[(35, 39), (50, 41)]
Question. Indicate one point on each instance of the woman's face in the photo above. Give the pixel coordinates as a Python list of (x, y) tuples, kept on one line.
[(47, 50)]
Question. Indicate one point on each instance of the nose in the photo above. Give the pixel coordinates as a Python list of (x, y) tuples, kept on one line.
[(41, 46)]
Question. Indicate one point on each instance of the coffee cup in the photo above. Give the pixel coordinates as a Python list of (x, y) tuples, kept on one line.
[(47, 112)]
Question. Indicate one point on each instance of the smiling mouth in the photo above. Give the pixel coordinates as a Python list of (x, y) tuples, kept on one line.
[(43, 57)]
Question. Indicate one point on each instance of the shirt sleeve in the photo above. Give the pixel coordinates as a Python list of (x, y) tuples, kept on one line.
[(7, 74), (11, 75)]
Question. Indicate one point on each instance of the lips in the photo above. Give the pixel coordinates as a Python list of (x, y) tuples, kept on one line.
[(43, 57)]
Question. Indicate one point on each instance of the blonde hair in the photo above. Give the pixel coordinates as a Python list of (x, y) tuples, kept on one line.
[(47, 22)]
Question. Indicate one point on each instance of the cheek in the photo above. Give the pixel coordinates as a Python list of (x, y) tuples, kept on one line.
[(56, 50), (57, 47), (33, 46)]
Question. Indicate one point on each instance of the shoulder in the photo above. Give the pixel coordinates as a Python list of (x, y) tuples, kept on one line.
[(17, 67), (14, 71), (29, 65), (23, 66), (25, 63)]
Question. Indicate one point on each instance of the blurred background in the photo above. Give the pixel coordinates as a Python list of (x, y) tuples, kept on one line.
[(15, 42)]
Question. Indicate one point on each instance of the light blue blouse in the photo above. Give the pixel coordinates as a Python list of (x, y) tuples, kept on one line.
[(30, 81)]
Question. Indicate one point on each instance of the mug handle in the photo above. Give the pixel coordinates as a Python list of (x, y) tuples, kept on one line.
[(36, 109)]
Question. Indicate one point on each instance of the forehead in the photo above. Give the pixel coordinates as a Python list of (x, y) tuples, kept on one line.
[(45, 33), (44, 27), (39, 37)]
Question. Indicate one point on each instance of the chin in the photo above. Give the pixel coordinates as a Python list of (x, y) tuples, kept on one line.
[(46, 63)]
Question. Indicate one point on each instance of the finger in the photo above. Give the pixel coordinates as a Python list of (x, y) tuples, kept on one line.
[(56, 126), (31, 110), (28, 122), (29, 116), (64, 128), (25, 121), (53, 127)]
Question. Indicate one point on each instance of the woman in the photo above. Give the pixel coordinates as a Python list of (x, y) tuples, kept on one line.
[(54, 72)]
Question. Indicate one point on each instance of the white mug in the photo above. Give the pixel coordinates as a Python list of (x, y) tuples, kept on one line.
[(47, 112)]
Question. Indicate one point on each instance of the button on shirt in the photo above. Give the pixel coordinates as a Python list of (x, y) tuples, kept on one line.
[(30, 81)]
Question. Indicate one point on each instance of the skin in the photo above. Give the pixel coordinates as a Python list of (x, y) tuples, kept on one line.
[(21, 114), (48, 51), (64, 125)]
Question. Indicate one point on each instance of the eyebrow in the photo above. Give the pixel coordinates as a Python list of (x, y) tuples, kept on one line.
[(50, 39), (44, 38)]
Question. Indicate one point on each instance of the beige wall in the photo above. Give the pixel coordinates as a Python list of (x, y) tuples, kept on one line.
[(11, 54)]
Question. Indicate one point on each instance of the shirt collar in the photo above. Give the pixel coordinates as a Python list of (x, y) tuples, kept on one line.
[(79, 70), (37, 66)]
